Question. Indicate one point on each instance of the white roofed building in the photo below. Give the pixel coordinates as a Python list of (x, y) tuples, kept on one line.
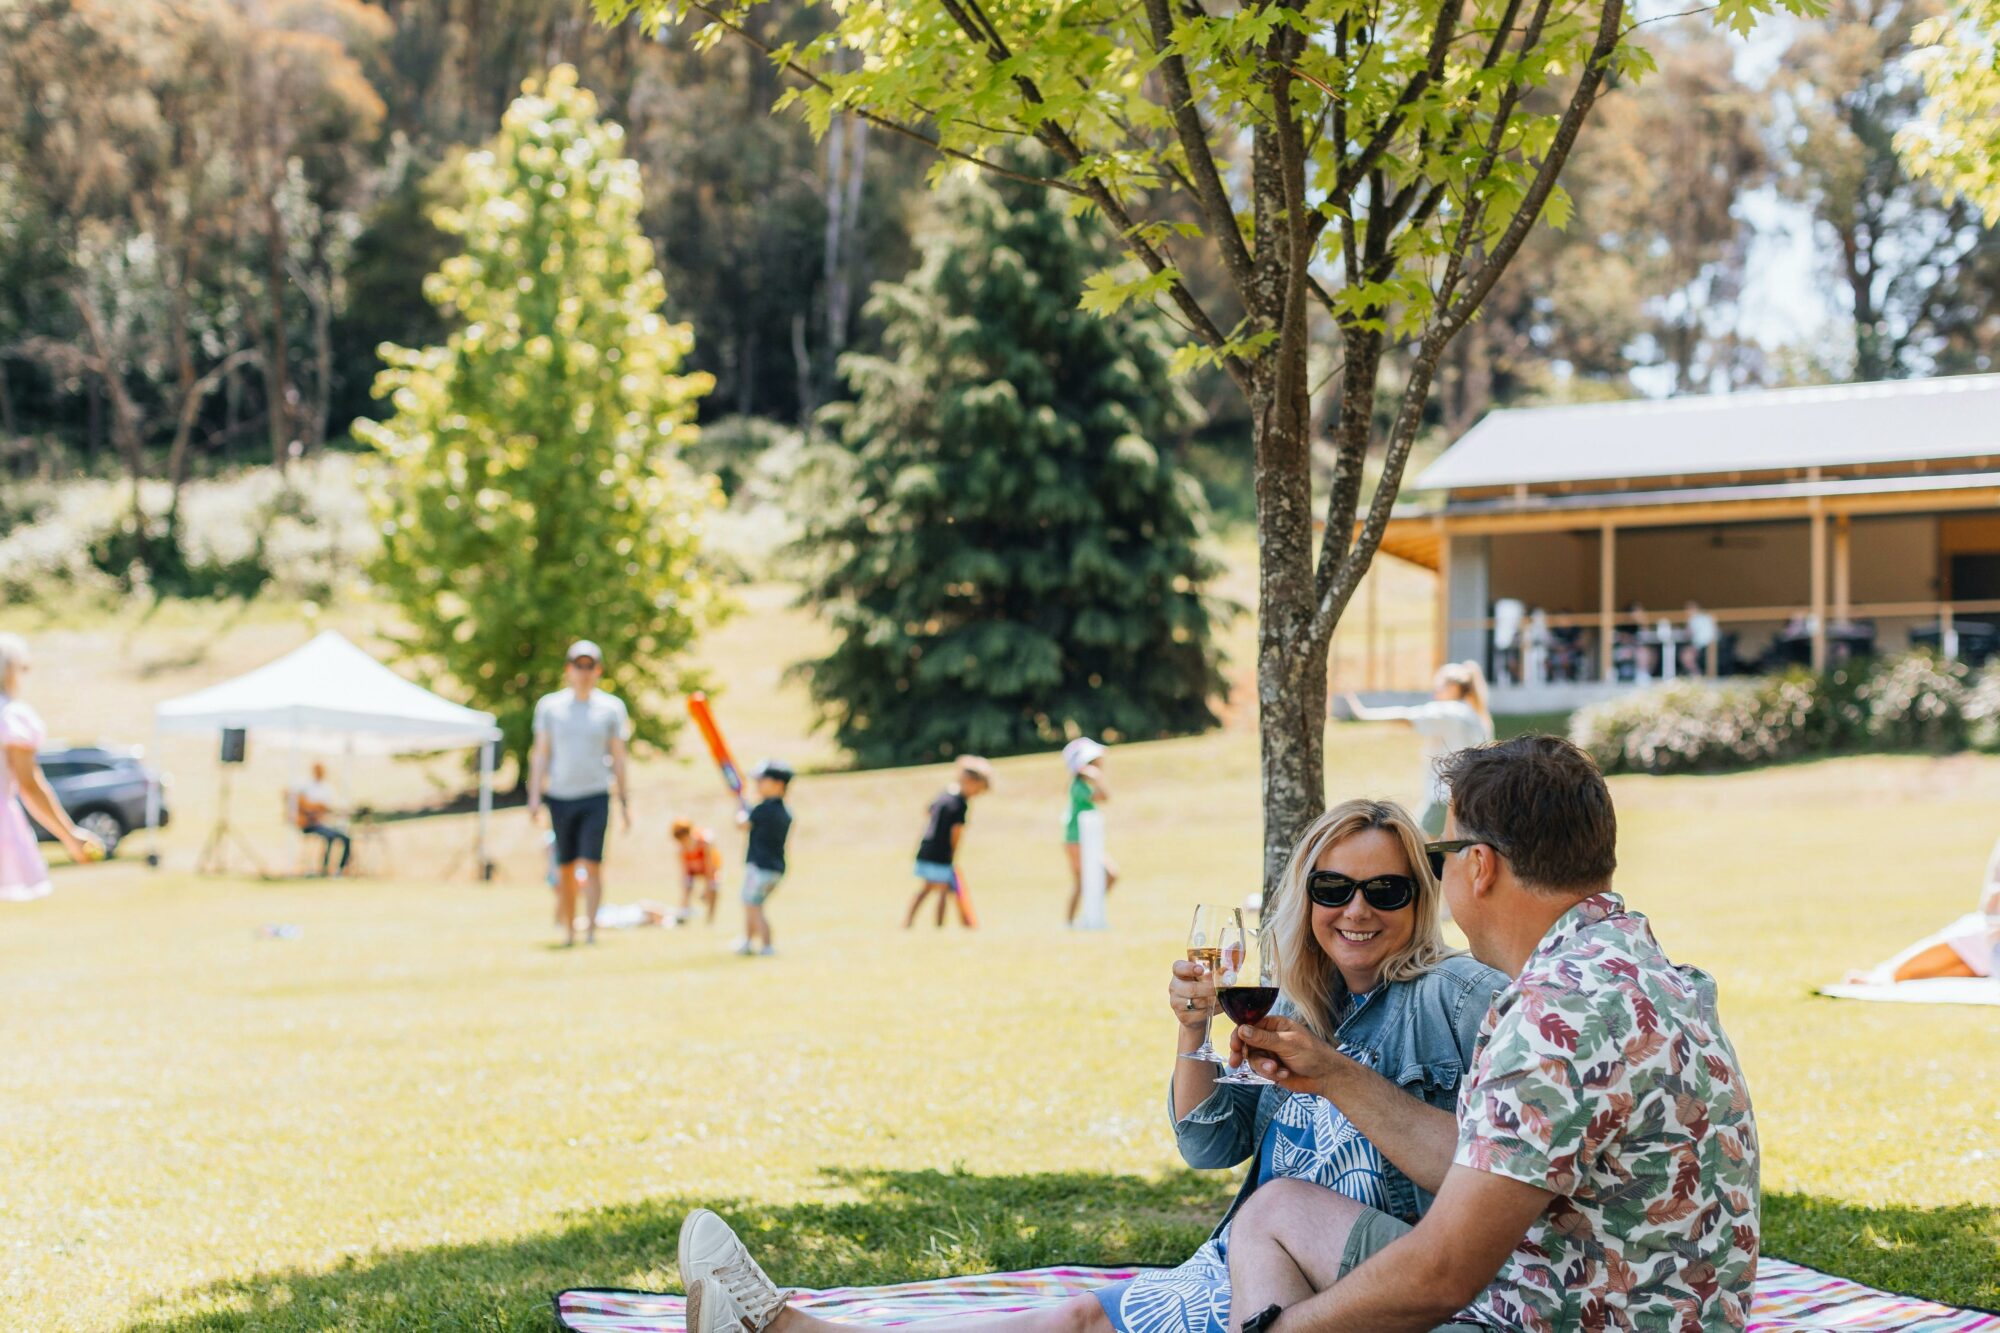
[(1803, 524)]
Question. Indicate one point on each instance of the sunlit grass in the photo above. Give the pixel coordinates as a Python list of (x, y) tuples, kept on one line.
[(420, 1115)]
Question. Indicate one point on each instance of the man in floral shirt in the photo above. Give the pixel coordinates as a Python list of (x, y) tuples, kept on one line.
[(1604, 1172)]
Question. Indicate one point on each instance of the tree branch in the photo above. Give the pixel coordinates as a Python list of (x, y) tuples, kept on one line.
[(980, 30), (1193, 136), (873, 117), (1581, 101)]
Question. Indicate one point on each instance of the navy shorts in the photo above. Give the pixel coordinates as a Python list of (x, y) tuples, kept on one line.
[(580, 824)]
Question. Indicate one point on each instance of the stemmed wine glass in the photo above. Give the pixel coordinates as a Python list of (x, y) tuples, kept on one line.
[(1217, 933), (1247, 992)]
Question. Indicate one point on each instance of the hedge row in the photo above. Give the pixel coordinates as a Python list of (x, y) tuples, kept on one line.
[(1916, 701)]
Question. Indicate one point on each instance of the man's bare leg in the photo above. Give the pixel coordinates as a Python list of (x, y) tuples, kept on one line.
[(592, 874), (1286, 1246), (566, 900)]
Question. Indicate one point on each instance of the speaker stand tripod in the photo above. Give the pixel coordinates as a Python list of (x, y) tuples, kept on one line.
[(214, 859)]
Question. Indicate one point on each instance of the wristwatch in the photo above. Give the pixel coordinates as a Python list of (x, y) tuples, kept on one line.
[(1263, 1319)]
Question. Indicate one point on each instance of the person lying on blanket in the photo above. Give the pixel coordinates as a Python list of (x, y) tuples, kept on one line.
[(1968, 947), (1367, 983)]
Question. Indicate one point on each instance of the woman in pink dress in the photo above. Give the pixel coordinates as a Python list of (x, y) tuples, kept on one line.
[(23, 789)]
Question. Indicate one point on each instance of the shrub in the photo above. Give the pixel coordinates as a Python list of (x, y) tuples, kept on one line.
[(1691, 726), (1982, 708), (305, 533), (1914, 701)]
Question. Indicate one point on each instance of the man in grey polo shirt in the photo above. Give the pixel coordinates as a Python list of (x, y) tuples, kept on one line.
[(578, 757)]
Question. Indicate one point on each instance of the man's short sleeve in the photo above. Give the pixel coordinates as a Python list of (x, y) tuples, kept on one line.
[(624, 732), (1543, 1098), (542, 715)]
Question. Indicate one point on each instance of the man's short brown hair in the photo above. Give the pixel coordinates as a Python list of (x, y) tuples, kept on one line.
[(1542, 804)]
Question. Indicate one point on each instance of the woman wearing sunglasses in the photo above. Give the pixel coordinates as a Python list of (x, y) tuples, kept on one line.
[(1364, 973), (1365, 976)]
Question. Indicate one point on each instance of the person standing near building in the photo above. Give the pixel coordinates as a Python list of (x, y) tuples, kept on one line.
[(577, 762), (1456, 718)]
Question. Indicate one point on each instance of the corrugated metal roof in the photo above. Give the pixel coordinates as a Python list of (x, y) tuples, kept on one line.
[(1833, 426)]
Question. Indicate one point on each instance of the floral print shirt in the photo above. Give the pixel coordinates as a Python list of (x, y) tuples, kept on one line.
[(1603, 1075)]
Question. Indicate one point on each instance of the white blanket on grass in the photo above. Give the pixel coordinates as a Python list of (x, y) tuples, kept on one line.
[(1932, 990)]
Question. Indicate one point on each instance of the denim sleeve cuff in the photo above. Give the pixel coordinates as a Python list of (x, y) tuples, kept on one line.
[(1218, 1107)]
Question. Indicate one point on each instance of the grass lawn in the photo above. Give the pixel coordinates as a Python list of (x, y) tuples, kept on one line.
[(419, 1115)]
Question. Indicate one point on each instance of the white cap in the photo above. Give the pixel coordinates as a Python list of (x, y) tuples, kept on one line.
[(1081, 753), (585, 648)]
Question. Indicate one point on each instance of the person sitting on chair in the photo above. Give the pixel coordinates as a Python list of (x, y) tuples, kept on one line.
[(312, 806)]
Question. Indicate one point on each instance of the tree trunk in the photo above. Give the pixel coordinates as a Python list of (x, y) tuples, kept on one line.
[(276, 383), (1291, 660), (127, 429)]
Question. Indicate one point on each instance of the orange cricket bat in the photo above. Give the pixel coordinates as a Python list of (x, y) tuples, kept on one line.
[(718, 748), (958, 886)]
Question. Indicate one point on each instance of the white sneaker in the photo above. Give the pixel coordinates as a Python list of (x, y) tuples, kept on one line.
[(745, 948), (767, 952), (727, 1291)]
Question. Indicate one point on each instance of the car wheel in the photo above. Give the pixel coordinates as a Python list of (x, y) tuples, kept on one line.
[(108, 828)]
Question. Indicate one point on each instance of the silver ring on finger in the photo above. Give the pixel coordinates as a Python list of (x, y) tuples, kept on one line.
[(1190, 1004)]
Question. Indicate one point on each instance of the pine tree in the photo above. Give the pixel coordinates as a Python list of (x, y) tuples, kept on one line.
[(535, 495), (1012, 558)]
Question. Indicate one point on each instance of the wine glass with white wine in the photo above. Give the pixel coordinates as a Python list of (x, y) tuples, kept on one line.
[(1217, 933)]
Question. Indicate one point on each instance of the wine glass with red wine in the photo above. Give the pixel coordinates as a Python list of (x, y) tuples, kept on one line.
[(1247, 992), (1217, 933)]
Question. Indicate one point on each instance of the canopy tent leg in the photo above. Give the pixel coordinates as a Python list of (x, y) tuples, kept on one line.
[(485, 864), (153, 779)]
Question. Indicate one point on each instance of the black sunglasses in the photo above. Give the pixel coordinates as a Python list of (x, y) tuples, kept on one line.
[(1385, 893), (1435, 852)]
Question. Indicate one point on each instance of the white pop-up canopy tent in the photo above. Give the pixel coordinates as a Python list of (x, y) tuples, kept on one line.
[(329, 695)]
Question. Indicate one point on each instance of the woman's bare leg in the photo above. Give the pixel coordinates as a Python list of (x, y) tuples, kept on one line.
[(1940, 960), (1078, 1314)]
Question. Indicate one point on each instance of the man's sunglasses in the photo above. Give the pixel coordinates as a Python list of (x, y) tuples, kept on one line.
[(1435, 852), (584, 663), (1385, 893)]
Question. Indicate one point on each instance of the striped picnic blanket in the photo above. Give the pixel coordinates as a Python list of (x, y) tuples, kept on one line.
[(1790, 1299)]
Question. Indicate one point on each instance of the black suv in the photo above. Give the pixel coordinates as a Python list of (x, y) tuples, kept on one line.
[(103, 790)]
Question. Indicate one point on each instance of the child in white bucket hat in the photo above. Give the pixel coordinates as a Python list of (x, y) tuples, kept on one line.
[(1084, 758)]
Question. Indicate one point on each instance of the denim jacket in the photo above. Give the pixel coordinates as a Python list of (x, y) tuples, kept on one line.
[(1418, 1034)]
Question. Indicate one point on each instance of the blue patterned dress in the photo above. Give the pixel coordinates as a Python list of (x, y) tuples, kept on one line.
[(1309, 1139)]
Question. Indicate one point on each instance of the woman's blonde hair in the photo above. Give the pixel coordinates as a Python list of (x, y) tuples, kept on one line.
[(13, 656), (1471, 683), (1305, 973)]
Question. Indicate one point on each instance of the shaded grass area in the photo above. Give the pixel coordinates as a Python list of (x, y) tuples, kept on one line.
[(900, 1226), (1950, 1253), (882, 1227)]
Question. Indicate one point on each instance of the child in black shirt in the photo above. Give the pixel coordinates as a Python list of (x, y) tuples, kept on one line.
[(939, 849), (770, 823)]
